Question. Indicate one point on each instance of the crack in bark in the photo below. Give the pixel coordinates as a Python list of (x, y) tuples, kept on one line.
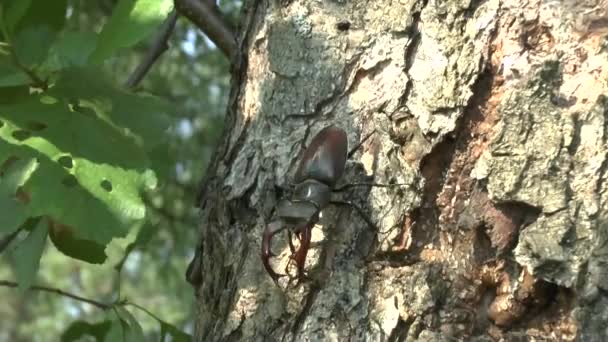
[(213, 214), (334, 97), (604, 166), (410, 54), (238, 72), (238, 144), (301, 317), (399, 332)]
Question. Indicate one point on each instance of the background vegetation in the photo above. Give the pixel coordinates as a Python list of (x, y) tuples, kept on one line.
[(98, 180)]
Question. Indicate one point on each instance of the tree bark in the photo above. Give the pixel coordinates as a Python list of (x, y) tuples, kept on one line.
[(494, 116)]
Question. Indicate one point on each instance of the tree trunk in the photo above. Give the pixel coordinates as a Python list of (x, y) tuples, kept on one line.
[(493, 114)]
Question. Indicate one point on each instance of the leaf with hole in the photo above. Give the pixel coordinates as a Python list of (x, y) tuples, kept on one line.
[(141, 116), (90, 174)]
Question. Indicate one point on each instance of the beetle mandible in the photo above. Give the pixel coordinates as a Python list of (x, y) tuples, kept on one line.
[(321, 166)]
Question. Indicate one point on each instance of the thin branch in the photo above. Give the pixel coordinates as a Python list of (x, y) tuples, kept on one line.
[(100, 305), (6, 240), (210, 22), (144, 310), (156, 50), (36, 81)]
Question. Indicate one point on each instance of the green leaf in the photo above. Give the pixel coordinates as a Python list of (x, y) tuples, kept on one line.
[(32, 45), (116, 332), (26, 256), (144, 235), (162, 160), (13, 94), (176, 334), (14, 10), (79, 329), (39, 13), (13, 175), (131, 21), (132, 329), (90, 174), (73, 49), (63, 238), (143, 117), (10, 75)]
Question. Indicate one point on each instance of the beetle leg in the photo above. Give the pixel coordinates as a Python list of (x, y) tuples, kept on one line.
[(357, 208), (291, 247), (356, 147), (271, 229)]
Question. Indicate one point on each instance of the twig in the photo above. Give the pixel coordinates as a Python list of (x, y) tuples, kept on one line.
[(100, 305), (145, 310), (156, 50), (36, 81), (208, 21), (6, 240)]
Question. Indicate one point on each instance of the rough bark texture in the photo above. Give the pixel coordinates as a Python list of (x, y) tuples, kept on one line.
[(493, 113)]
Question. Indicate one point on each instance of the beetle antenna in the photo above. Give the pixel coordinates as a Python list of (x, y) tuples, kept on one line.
[(358, 209), (356, 147), (379, 185)]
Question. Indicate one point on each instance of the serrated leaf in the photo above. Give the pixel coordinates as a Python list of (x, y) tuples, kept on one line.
[(13, 174), (90, 174), (26, 256), (176, 334), (132, 329), (64, 240), (131, 21), (79, 329), (32, 45), (145, 117)]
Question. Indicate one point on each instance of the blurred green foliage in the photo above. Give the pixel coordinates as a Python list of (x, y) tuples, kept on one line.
[(98, 179)]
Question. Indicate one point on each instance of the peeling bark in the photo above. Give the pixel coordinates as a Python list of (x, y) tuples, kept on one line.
[(492, 113)]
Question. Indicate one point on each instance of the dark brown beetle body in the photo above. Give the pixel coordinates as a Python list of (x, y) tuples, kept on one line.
[(321, 166), (325, 157)]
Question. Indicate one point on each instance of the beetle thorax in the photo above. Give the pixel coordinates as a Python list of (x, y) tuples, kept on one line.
[(313, 191), (296, 212)]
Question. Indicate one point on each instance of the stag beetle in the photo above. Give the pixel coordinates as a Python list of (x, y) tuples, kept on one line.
[(321, 166)]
